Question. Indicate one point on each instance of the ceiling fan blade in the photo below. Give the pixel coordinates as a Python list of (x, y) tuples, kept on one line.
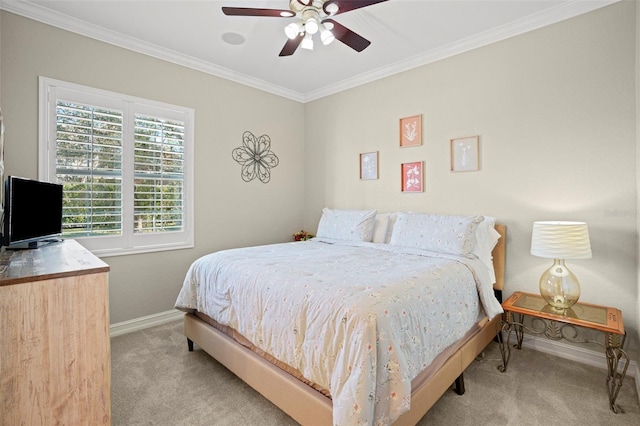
[(347, 5), (291, 45), (348, 37), (250, 11)]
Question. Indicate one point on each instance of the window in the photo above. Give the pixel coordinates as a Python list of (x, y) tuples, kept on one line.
[(126, 165)]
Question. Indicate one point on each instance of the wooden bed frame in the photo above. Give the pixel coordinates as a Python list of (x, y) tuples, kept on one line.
[(308, 406)]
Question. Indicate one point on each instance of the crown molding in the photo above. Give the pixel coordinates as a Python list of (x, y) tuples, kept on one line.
[(59, 20), (542, 19), (547, 17)]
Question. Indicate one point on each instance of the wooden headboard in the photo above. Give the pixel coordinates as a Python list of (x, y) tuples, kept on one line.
[(499, 257)]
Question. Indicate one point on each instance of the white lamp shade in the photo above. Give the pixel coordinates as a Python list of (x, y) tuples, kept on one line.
[(307, 42), (326, 36), (560, 240), (331, 8), (311, 25), (292, 30)]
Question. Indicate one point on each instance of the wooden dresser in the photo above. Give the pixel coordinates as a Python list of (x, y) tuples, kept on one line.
[(55, 365)]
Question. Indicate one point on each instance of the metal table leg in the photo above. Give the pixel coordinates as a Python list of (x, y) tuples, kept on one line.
[(509, 325), (519, 329), (613, 345)]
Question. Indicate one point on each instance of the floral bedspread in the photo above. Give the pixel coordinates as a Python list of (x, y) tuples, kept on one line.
[(359, 319)]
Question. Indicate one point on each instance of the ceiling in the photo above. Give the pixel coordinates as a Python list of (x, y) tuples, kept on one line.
[(403, 34)]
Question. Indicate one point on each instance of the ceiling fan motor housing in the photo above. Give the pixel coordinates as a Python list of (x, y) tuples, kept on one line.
[(320, 8), (311, 13)]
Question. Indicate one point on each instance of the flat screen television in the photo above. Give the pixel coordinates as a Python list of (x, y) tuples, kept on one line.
[(32, 212)]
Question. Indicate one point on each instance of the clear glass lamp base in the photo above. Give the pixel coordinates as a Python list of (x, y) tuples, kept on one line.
[(559, 287)]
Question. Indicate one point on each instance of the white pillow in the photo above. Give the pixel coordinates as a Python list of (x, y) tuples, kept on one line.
[(350, 225), (380, 228), (438, 233), (384, 227), (392, 221), (486, 239)]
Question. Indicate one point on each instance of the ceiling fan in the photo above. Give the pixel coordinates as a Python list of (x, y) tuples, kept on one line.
[(313, 16)]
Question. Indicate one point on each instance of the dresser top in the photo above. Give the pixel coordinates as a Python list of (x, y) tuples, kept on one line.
[(57, 260)]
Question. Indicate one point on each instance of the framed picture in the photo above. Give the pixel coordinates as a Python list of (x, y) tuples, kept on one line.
[(411, 131), (369, 165), (464, 154), (412, 178)]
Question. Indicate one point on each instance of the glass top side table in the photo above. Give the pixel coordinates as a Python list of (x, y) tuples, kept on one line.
[(562, 324)]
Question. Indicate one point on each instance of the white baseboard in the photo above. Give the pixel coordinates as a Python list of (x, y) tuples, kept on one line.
[(141, 323), (637, 376), (576, 353)]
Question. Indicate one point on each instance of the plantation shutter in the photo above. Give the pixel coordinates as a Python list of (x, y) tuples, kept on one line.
[(126, 165), (158, 192), (89, 165)]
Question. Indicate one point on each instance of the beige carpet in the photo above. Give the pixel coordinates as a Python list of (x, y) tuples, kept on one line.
[(156, 381)]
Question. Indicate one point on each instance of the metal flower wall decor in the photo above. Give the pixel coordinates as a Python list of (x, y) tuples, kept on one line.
[(255, 157)]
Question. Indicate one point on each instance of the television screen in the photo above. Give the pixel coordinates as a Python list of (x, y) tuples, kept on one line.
[(32, 211)]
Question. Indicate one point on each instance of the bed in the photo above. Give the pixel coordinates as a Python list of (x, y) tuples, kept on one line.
[(368, 323)]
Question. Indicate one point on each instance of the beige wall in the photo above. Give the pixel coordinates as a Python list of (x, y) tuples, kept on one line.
[(555, 111), (638, 164), (554, 108), (228, 211)]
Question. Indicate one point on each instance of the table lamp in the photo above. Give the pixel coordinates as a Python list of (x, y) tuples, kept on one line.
[(559, 240)]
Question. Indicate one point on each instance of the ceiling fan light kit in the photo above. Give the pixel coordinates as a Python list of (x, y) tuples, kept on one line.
[(330, 8), (312, 16), (292, 30), (307, 42), (326, 36), (311, 26)]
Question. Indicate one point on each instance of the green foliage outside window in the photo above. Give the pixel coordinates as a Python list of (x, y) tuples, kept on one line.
[(89, 146)]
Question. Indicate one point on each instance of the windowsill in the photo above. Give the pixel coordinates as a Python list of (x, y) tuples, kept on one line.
[(138, 250)]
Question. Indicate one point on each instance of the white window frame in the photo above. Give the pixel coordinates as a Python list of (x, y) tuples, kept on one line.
[(50, 90)]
